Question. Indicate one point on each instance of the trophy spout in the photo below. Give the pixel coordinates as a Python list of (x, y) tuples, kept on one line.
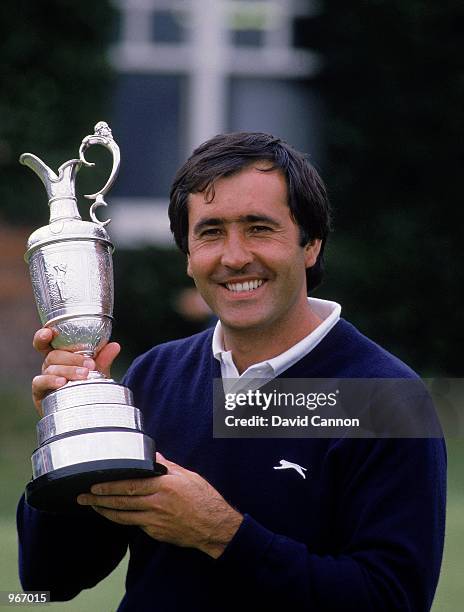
[(45, 174), (60, 187)]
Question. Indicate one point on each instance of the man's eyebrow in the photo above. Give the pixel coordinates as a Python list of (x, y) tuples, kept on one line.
[(216, 221), (260, 219)]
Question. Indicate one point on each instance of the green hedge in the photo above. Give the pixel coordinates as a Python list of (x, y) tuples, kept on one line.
[(56, 83), (147, 284), (394, 92)]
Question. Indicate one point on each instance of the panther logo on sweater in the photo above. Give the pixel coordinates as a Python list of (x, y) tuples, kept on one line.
[(284, 465)]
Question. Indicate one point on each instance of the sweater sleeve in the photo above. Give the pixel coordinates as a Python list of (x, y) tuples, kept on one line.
[(388, 532), (65, 553)]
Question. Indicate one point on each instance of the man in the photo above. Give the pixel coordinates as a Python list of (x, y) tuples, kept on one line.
[(327, 524)]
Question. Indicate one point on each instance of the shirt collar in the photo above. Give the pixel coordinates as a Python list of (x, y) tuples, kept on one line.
[(326, 310)]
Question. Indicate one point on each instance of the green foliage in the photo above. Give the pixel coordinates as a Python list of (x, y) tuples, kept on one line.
[(394, 92), (55, 85), (147, 284)]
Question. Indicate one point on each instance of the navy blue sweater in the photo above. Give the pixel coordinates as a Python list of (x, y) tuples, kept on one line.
[(363, 532)]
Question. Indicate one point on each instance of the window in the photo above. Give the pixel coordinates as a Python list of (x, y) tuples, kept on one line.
[(169, 26), (148, 127)]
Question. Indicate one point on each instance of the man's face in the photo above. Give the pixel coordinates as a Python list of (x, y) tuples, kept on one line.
[(244, 252)]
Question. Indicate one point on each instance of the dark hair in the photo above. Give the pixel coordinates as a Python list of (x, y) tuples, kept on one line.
[(228, 154)]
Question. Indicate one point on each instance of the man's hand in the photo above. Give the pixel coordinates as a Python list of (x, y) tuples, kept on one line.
[(181, 508), (61, 366)]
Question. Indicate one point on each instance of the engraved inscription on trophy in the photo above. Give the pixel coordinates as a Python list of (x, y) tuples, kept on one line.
[(56, 277), (60, 280)]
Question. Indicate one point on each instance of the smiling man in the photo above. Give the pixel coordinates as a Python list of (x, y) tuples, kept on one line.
[(247, 262), (264, 524)]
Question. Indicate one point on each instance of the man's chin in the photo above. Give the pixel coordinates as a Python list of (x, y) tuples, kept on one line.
[(241, 324)]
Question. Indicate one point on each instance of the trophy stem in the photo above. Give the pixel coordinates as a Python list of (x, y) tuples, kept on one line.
[(95, 375), (89, 354)]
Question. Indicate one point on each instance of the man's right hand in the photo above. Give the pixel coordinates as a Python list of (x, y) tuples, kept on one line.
[(61, 366)]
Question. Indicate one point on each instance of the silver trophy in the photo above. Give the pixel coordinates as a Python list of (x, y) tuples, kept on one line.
[(91, 431)]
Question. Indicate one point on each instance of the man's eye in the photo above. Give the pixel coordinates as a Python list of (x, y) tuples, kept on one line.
[(213, 231), (258, 229)]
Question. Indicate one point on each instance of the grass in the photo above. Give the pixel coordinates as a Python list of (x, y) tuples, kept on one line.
[(105, 597), (450, 592), (17, 442)]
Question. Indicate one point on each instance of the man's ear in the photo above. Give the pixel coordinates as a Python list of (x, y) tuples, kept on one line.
[(312, 250), (189, 269)]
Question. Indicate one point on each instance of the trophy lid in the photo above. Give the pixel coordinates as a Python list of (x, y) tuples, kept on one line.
[(66, 229)]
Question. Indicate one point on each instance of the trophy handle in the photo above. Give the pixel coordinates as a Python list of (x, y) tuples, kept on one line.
[(104, 137)]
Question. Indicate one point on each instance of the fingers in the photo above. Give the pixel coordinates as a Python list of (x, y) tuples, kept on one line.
[(173, 468), (61, 366), (58, 368), (58, 358), (102, 363), (43, 384), (134, 487), (106, 357), (42, 339), (116, 502), (126, 517)]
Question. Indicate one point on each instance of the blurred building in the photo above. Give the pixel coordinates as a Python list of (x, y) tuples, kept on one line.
[(18, 315), (189, 69)]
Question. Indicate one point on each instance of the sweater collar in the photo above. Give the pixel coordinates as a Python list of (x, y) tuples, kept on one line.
[(268, 369)]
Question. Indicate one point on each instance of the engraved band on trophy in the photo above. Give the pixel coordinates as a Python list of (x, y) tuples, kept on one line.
[(91, 431)]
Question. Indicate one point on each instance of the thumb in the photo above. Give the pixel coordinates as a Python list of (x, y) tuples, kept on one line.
[(162, 459), (106, 357), (173, 468)]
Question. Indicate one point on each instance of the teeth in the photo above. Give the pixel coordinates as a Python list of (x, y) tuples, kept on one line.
[(246, 286)]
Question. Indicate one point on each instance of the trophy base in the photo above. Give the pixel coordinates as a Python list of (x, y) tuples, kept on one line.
[(56, 491), (91, 433)]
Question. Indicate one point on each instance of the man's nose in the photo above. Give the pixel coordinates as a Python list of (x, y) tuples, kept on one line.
[(236, 254)]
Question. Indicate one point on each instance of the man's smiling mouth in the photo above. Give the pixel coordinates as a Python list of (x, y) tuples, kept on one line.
[(245, 286)]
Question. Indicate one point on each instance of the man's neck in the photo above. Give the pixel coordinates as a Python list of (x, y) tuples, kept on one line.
[(253, 346)]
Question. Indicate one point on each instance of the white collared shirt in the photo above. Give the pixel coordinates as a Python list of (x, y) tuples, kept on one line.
[(267, 370)]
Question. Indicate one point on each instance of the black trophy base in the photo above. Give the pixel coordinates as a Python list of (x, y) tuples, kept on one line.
[(57, 490)]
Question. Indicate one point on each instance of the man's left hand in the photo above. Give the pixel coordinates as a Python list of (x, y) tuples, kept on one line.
[(181, 508)]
